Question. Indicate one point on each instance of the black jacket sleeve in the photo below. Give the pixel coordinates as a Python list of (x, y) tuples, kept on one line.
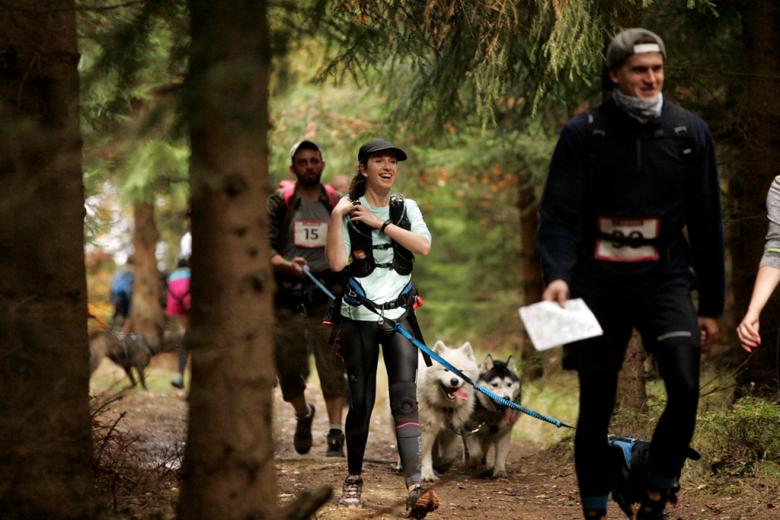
[(705, 222), (562, 203)]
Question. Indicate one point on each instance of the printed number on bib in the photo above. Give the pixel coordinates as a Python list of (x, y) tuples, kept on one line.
[(310, 233), (622, 239)]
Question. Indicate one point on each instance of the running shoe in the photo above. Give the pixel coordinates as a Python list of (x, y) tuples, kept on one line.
[(302, 438), (420, 502), (335, 443), (350, 496)]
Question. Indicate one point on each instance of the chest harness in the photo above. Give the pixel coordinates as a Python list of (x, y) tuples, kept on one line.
[(363, 263), (599, 129)]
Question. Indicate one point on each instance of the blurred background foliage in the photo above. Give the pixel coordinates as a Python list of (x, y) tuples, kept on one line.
[(476, 92)]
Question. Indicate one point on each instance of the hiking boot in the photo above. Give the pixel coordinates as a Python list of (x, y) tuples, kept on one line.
[(335, 443), (178, 381), (652, 507), (302, 438), (420, 502), (350, 493)]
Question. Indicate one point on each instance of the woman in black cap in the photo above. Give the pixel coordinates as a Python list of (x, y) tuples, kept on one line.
[(377, 234)]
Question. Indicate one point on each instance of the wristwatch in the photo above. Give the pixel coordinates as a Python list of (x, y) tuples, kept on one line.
[(387, 223)]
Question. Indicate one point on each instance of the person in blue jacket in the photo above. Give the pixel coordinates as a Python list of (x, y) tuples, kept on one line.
[(627, 179), (121, 297)]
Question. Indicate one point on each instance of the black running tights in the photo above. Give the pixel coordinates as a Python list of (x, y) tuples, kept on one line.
[(360, 342)]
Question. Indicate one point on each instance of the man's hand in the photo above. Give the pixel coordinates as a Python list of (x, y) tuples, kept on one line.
[(280, 265), (557, 291), (708, 330)]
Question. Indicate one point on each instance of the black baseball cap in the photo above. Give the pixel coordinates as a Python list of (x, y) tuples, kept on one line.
[(303, 145), (378, 145)]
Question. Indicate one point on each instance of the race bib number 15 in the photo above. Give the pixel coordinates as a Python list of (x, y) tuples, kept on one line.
[(310, 233)]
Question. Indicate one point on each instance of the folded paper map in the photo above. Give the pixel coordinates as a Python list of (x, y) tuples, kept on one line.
[(549, 325)]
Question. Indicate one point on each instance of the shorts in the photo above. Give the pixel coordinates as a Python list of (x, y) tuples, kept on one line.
[(294, 333)]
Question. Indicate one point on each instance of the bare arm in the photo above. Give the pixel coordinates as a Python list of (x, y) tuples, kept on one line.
[(335, 252), (766, 282)]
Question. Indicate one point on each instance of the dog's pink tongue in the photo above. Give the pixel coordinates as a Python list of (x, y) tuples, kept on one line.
[(461, 394), (508, 415)]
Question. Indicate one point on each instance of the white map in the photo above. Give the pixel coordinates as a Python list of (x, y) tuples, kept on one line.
[(549, 325)]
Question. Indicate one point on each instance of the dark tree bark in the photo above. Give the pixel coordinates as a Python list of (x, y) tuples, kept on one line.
[(229, 462), (748, 188), (632, 394), (147, 310), (46, 447)]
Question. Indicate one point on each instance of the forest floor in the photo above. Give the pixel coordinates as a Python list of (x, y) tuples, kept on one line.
[(541, 483)]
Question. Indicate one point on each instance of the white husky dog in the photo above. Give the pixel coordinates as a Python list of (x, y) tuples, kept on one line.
[(445, 403)]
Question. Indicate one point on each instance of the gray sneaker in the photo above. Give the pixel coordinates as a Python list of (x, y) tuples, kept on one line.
[(350, 496), (302, 438)]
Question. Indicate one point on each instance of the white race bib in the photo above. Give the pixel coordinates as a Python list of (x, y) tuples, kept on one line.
[(310, 233), (626, 230)]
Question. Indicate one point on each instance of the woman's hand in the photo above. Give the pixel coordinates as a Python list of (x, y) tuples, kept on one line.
[(343, 207), (748, 332), (362, 214)]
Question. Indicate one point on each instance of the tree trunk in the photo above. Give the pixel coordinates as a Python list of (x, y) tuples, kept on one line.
[(45, 427), (228, 468), (748, 188), (632, 394), (532, 273), (147, 310)]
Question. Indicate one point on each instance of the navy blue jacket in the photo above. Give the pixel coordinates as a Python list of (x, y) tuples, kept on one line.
[(636, 175)]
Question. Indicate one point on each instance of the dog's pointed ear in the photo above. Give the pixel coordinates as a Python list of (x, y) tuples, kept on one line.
[(468, 350), (439, 347), (487, 364), (510, 365)]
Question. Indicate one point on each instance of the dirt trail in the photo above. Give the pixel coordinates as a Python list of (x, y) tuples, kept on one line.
[(538, 485)]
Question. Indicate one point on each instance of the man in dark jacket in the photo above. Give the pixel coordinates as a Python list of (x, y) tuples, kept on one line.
[(299, 218), (625, 180)]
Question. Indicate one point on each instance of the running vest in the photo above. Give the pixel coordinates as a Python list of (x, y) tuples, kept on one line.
[(363, 263)]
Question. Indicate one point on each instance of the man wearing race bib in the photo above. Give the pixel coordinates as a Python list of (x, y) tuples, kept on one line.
[(626, 179), (299, 220)]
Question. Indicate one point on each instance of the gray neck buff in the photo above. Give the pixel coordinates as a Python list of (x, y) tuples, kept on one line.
[(640, 109)]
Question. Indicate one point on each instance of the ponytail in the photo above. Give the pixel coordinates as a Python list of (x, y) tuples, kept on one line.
[(357, 188)]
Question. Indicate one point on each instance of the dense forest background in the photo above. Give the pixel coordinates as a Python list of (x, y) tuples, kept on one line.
[(129, 123)]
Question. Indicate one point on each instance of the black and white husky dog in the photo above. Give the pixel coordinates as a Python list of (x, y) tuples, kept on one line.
[(491, 423)]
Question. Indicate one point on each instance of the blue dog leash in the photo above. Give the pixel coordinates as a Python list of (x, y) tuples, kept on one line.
[(318, 284), (444, 362), (463, 376)]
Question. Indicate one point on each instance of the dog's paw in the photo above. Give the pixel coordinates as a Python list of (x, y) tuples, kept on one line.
[(497, 473), (429, 476)]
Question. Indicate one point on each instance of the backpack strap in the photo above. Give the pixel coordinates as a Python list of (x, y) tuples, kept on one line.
[(288, 189), (682, 132), (333, 195), (595, 139)]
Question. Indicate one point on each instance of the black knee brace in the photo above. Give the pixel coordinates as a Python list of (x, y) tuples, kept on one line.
[(403, 405)]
